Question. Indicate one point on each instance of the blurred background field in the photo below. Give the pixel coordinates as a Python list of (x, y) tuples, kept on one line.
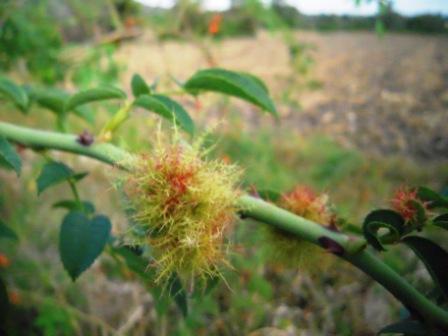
[(363, 104)]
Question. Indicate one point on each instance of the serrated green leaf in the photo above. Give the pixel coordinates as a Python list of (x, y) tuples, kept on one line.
[(49, 98), (168, 109), (13, 92), (71, 205), (53, 173), (55, 99), (434, 257), (139, 86), (9, 157), (382, 218), (405, 327), (236, 84), (93, 95), (7, 232), (435, 199), (258, 80), (81, 241)]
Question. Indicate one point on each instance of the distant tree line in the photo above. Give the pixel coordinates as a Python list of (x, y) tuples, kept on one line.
[(246, 17), (393, 21)]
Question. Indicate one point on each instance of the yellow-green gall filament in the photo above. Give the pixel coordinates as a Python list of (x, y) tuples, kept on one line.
[(184, 204)]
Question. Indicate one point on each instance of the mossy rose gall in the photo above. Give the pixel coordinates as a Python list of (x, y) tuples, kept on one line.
[(184, 204)]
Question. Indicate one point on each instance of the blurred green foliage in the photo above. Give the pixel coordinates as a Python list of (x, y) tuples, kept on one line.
[(97, 68), (36, 39), (28, 36)]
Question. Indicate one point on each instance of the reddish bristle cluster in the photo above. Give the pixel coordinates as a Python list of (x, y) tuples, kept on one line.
[(303, 201), (405, 202), (291, 251), (185, 205)]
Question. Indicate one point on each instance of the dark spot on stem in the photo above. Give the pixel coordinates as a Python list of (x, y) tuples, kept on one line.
[(85, 138), (331, 246)]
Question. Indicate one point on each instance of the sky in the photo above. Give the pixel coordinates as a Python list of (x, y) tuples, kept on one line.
[(405, 7)]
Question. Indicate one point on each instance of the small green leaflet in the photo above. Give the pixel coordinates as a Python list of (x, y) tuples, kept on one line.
[(256, 79), (382, 218), (14, 93), (236, 84), (435, 199), (435, 259), (54, 173), (441, 221), (93, 95), (116, 121), (49, 98), (7, 232), (55, 99), (9, 157), (139, 86), (168, 109), (81, 241)]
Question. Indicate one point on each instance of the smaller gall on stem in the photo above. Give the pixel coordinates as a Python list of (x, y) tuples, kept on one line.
[(288, 249), (414, 211)]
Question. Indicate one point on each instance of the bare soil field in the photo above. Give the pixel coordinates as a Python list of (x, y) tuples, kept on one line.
[(383, 95)]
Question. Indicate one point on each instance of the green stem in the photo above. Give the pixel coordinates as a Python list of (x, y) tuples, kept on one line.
[(270, 214), (354, 254), (72, 184), (352, 249), (66, 142), (400, 288), (74, 191)]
